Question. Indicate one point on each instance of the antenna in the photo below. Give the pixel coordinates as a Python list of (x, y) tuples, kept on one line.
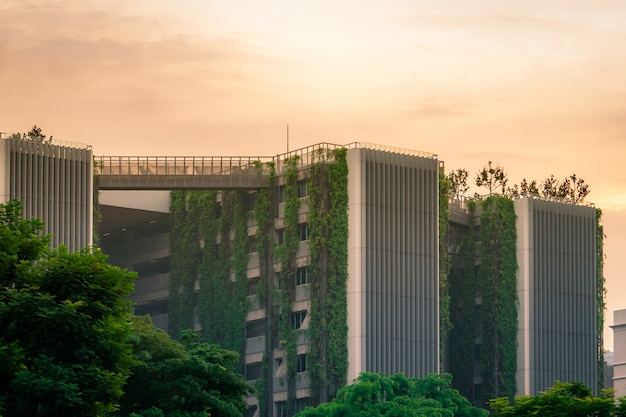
[(287, 137)]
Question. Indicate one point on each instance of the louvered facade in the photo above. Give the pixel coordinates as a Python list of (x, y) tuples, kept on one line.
[(557, 336), (54, 182)]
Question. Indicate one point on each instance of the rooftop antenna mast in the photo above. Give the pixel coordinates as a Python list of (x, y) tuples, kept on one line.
[(287, 137)]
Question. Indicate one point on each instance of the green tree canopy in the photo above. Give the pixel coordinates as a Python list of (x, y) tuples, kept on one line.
[(571, 399), (63, 324), (21, 241), (374, 394), (64, 332), (189, 378)]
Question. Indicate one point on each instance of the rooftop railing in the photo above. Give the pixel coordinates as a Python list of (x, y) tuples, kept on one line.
[(55, 142), (180, 165)]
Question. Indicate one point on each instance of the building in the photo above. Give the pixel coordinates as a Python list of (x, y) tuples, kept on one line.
[(524, 296), (329, 271), (619, 349), (54, 182), (324, 262)]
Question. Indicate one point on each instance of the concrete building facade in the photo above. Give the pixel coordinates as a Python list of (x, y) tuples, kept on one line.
[(552, 299), (391, 293), (54, 182), (557, 291), (619, 349)]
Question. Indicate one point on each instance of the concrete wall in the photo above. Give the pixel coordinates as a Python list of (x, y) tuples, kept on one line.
[(619, 347), (393, 284), (556, 254), (54, 183)]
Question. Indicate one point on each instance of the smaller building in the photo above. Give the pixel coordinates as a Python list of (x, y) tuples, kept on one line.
[(619, 352)]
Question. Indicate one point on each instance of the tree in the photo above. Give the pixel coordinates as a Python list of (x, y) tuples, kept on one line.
[(563, 399), (492, 178), (33, 134), (572, 189), (187, 378), (374, 394), (21, 240), (458, 183), (63, 325)]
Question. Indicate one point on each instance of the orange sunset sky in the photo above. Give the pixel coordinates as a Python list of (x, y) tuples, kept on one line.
[(537, 87)]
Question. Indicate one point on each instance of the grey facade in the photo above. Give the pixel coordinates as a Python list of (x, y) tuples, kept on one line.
[(619, 347), (557, 336), (393, 289), (54, 182)]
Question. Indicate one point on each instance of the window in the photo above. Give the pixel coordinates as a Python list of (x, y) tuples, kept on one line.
[(252, 286), (254, 371), (302, 276), (281, 194), (252, 243), (301, 363), (303, 231), (477, 351), (281, 408), (477, 313), (302, 404), (303, 188), (281, 236), (255, 328), (296, 318), (477, 392)]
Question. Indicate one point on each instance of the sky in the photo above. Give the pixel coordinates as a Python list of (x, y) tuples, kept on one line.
[(536, 87)]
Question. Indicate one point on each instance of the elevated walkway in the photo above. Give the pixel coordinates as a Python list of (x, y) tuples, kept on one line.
[(216, 172), (181, 172)]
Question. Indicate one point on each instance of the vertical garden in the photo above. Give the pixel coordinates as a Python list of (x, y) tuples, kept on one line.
[(483, 289), (212, 236)]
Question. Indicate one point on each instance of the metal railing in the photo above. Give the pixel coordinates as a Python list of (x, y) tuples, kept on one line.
[(180, 165), (56, 142)]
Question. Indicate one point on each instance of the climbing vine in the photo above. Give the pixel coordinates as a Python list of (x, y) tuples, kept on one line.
[(287, 255), (465, 328), (600, 297), (328, 222), (497, 284), (198, 223), (265, 288), (444, 268), (184, 261)]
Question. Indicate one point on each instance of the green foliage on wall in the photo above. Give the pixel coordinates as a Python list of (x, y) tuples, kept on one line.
[(497, 284), (263, 214), (444, 268), (198, 223), (328, 223), (489, 271), (465, 329), (209, 241), (600, 296), (183, 264), (287, 255)]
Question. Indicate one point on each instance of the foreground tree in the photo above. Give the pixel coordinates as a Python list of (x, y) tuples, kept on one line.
[(377, 395), (561, 400), (63, 325), (190, 378)]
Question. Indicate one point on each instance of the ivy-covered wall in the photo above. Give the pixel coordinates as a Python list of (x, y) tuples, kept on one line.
[(201, 251), (484, 300), (600, 296), (497, 284), (445, 322), (209, 247), (328, 222)]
